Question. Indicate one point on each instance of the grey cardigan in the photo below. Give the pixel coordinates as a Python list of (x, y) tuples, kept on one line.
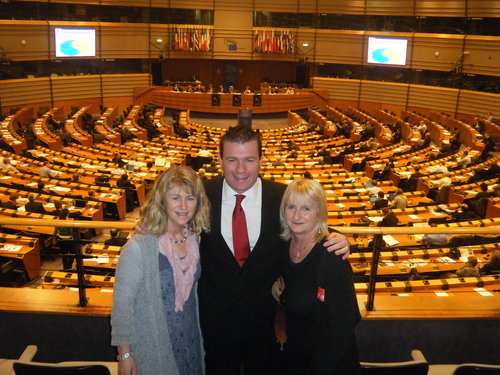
[(138, 317)]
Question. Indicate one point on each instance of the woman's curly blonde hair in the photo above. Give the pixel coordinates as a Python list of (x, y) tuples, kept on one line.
[(154, 216)]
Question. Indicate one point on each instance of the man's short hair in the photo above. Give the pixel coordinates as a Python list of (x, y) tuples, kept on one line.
[(241, 135)]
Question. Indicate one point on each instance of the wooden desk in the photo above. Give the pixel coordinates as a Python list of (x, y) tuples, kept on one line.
[(28, 253), (203, 102)]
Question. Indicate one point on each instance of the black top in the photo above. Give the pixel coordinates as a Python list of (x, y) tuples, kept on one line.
[(322, 311)]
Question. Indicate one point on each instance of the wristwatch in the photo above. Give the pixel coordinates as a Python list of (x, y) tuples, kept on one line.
[(124, 356)]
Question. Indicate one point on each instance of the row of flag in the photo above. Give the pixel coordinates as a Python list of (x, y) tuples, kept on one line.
[(274, 41), (195, 39)]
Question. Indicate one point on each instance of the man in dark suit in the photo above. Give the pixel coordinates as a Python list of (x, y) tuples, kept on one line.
[(236, 306), (389, 220), (381, 202), (11, 203), (114, 240), (35, 207)]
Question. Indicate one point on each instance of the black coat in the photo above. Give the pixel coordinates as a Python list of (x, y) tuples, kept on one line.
[(236, 302)]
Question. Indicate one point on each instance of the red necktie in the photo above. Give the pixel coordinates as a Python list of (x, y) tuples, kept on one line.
[(240, 233)]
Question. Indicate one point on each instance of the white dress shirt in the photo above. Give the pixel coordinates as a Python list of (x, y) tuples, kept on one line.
[(252, 205)]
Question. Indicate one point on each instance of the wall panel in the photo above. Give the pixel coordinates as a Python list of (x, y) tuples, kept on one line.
[(124, 40), (483, 8), (437, 98), (123, 84), (76, 87), (447, 46), (482, 55), (384, 92), (478, 103), (339, 46), (338, 89), (441, 8), (341, 6), (390, 7), (236, 5), (24, 91), (307, 6), (33, 33), (187, 4), (276, 6)]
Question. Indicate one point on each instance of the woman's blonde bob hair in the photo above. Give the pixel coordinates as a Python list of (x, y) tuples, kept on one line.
[(307, 190), (154, 216)]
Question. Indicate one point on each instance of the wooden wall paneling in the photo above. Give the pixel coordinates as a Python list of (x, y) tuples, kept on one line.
[(123, 84), (442, 8), (447, 46), (126, 3), (125, 40), (34, 35), (305, 36), (384, 92), (341, 6), (307, 6), (482, 55), (233, 5), (159, 49), (479, 103), (276, 6), (90, 2), (16, 92), (436, 98), (339, 46), (186, 4), (76, 87), (483, 8), (338, 89), (390, 7)]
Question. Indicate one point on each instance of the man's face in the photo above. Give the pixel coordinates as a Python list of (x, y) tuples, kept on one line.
[(241, 164)]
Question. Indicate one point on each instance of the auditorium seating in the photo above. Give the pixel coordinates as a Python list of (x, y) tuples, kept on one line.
[(417, 366)]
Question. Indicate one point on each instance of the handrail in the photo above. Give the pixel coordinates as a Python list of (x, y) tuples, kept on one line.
[(346, 230), (378, 233)]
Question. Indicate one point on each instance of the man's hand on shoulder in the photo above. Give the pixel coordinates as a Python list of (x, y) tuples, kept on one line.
[(339, 243)]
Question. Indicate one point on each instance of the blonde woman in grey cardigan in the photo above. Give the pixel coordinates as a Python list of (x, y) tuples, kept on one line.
[(155, 312)]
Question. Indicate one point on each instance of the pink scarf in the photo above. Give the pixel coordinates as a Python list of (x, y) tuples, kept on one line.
[(183, 269)]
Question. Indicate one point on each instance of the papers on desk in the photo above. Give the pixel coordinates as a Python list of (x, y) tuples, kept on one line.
[(351, 179), (360, 190), (61, 189), (108, 196), (441, 294), (32, 184), (446, 260), (99, 259), (389, 240), (329, 192), (102, 290), (465, 252), (340, 205), (436, 213), (21, 208), (405, 173), (89, 166), (483, 292), (375, 219), (385, 263), (414, 217), (10, 247), (5, 178), (49, 205)]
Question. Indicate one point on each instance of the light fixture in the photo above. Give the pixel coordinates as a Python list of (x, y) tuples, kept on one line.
[(159, 40), (305, 44)]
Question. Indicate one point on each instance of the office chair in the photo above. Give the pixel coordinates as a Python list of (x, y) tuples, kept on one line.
[(477, 369), (35, 368), (417, 366)]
